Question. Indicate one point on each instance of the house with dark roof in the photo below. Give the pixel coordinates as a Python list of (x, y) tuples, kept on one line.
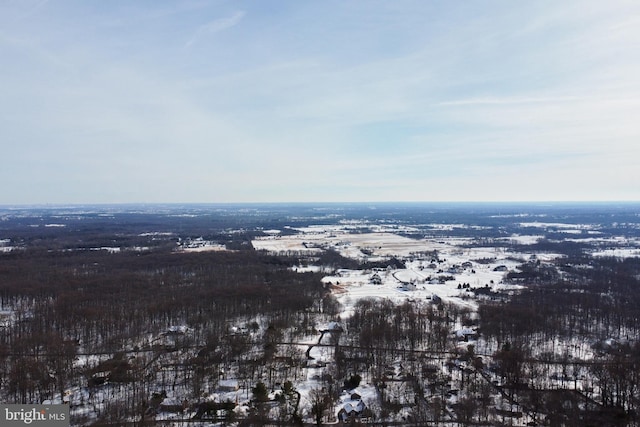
[(353, 410)]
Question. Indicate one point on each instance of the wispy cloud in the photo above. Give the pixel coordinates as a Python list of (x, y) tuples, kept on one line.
[(29, 8), (508, 100), (215, 26)]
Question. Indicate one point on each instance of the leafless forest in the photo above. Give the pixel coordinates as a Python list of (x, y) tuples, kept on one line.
[(166, 314)]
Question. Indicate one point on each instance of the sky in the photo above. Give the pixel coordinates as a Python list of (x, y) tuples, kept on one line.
[(319, 101)]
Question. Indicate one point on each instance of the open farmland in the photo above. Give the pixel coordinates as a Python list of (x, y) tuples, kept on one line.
[(410, 314)]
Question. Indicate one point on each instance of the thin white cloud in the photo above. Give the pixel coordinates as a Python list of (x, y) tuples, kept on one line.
[(215, 26), (510, 100), (27, 9)]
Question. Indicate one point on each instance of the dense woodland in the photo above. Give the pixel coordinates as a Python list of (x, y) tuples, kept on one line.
[(124, 329), (95, 302)]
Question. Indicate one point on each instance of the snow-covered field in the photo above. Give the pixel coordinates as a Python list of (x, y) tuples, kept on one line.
[(443, 268), (433, 266)]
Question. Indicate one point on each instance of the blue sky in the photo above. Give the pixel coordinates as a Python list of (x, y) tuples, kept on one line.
[(296, 101)]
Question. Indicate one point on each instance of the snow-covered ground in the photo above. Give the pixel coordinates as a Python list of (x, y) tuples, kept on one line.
[(442, 268), (618, 252), (438, 267)]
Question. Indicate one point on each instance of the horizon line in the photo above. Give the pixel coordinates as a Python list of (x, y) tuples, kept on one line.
[(298, 203)]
